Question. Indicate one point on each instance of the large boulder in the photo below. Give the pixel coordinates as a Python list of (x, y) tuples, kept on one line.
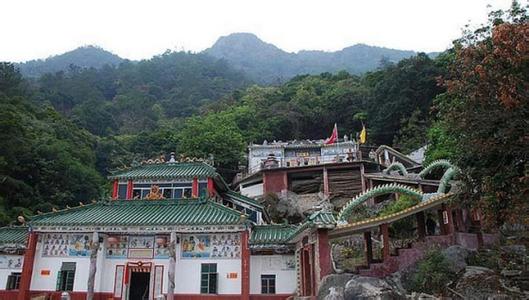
[(456, 256), (480, 283), (362, 287), (332, 286)]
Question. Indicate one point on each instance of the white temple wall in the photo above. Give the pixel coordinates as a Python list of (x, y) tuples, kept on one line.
[(279, 265), (187, 272), (9, 264), (188, 275), (43, 282), (253, 190)]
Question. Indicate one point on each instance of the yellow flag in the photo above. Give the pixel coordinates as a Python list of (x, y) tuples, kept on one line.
[(363, 135)]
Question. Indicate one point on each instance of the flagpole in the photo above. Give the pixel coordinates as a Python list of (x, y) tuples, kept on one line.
[(337, 141)]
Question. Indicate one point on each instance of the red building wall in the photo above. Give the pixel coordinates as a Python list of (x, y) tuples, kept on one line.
[(274, 181)]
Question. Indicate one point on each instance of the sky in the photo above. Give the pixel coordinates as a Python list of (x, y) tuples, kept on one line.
[(31, 29)]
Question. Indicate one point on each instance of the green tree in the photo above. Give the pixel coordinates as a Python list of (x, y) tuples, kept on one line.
[(484, 115), (216, 135)]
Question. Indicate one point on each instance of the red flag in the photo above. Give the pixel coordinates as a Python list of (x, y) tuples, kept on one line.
[(334, 136)]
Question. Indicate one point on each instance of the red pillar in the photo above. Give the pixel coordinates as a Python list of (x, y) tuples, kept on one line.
[(130, 186), (368, 247), (421, 225), (285, 181), (245, 267), (194, 188), (27, 268), (115, 189), (324, 253), (446, 220), (326, 191), (211, 187), (384, 231)]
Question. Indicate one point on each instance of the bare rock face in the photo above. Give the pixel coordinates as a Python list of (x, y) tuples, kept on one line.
[(361, 287), (456, 257), (335, 294), (293, 207), (480, 283), (332, 286)]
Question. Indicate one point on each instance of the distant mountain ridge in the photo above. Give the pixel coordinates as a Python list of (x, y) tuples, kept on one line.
[(261, 62), (264, 62), (84, 57)]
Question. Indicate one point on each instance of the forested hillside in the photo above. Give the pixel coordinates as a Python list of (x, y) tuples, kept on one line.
[(261, 62), (71, 128), (45, 160), (83, 57), (135, 97)]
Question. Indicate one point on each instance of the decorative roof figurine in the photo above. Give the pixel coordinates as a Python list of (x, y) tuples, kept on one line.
[(155, 193)]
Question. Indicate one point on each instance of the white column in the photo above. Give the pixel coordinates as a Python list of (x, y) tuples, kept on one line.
[(172, 264), (93, 266)]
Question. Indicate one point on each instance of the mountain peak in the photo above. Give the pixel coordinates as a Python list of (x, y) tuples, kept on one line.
[(89, 56), (240, 41), (266, 63)]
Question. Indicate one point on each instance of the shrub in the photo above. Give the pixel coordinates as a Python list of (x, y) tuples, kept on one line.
[(404, 202), (432, 274)]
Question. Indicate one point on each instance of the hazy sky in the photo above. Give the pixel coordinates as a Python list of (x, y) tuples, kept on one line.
[(140, 29)]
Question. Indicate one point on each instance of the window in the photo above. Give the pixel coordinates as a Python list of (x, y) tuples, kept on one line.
[(188, 192), (202, 189), (13, 281), (66, 277), (208, 279), (169, 190), (268, 284), (122, 191)]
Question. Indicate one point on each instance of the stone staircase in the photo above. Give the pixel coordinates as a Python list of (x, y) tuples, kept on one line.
[(406, 257)]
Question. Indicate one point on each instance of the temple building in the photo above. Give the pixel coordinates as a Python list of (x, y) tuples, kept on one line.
[(310, 170), (170, 228), (175, 230)]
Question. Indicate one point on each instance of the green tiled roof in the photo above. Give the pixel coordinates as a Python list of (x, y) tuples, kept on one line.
[(322, 218), (165, 212), (238, 197), (319, 219), (186, 170), (13, 235), (271, 234)]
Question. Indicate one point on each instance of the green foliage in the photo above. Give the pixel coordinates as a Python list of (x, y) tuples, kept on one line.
[(412, 133), (432, 274), (352, 257), (214, 135), (482, 118), (488, 258), (399, 92), (404, 202), (138, 96), (44, 158)]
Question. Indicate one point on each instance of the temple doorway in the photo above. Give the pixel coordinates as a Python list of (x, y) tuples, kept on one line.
[(139, 285)]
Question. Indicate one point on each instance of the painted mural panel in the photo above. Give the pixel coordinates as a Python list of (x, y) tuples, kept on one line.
[(161, 250), (63, 245), (11, 261), (138, 247), (117, 250), (211, 246)]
